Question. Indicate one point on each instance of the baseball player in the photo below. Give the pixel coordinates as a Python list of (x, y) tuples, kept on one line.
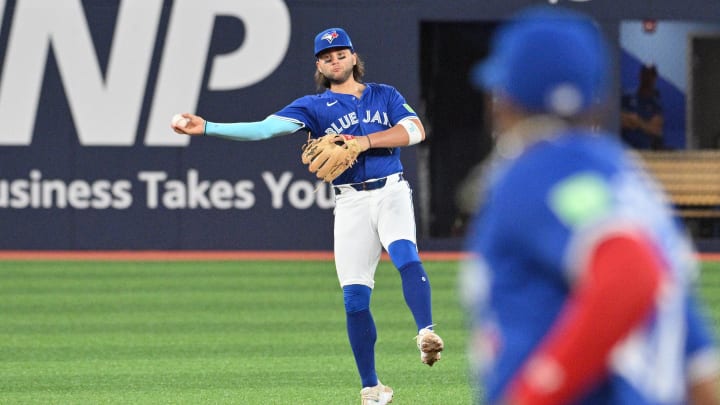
[(374, 207), (582, 278)]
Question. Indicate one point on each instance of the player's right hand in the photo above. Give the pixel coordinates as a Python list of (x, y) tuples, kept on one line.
[(194, 125)]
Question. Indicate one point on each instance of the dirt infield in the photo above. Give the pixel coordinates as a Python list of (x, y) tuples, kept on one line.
[(191, 255), (225, 255)]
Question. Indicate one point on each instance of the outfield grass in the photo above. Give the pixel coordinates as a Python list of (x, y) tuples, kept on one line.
[(709, 289), (211, 333), (219, 333)]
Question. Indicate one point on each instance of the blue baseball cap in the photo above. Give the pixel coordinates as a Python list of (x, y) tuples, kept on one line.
[(547, 59), (332, 38)]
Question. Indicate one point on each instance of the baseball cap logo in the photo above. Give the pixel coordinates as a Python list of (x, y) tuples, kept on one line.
[(330, 36)]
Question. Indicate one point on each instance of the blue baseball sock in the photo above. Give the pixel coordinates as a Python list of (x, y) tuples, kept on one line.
[(361, 331), (416, 289), (415, 283)]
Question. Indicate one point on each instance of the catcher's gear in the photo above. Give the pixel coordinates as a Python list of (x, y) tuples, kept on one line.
[(330, 155)]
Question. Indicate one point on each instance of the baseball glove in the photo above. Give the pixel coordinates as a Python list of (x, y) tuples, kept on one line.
[(330, 155)]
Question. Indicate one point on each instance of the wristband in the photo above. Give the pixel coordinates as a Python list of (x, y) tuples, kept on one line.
[(414, 133)]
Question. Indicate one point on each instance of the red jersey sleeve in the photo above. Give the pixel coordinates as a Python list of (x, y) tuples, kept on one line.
[(615, 294)]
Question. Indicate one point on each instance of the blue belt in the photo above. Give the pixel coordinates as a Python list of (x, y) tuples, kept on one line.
[(368, 185)]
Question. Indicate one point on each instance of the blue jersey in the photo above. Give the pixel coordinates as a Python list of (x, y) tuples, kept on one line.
[(542, 215), (645, 108), (380, 108)]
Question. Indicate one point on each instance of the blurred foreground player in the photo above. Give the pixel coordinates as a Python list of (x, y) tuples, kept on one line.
[(581, 278)]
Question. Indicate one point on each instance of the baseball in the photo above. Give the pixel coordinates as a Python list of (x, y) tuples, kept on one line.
[(179, 121)]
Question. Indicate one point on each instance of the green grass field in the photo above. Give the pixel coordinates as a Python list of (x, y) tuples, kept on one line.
[(219, 333)]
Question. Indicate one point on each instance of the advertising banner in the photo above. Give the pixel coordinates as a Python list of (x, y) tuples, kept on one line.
[(87, 156)]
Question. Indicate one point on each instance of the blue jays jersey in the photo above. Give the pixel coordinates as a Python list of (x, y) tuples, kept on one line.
[(380, 108), (542, 215)]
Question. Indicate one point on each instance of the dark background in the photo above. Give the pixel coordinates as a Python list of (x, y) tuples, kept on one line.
[(424, 48)]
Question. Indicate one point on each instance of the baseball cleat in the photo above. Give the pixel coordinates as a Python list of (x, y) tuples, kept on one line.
[(430, 345), (377, 395)]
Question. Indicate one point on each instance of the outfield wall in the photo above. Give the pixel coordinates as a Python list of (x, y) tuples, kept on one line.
[(87, 89)]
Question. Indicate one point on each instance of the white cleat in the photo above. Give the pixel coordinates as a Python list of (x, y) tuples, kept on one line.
[(430, 345), (377, 395)]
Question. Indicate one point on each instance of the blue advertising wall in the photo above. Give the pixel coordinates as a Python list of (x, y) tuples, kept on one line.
[(87, 90)]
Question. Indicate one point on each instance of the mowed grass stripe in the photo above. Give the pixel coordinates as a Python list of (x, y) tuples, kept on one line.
[(211, 332), (220, 333)]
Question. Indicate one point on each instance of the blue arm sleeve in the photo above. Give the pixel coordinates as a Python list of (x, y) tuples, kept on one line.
[(252, 131)]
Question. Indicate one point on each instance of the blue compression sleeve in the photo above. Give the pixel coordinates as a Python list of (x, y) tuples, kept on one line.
[(252, 131)]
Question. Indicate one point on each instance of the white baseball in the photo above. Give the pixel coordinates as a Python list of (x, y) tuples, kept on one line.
[(179, 121)]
